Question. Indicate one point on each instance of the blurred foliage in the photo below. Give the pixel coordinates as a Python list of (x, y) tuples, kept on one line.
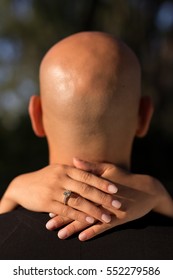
[(28, 28)]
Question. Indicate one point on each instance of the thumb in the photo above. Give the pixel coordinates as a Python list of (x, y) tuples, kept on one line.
[(95, 168)]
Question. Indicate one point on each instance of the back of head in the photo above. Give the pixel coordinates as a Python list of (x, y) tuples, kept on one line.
[(90, 92)]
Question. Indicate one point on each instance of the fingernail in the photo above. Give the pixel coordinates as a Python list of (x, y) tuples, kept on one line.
[(116, 204), (82, 236), (112, 189), (106, 218), (90, 220), (50, 225), (52, 215), (62, 234)]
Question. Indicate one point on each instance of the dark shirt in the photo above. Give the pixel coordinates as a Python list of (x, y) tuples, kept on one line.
[(23, 236)]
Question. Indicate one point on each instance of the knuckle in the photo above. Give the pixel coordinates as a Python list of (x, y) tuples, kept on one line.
[(77, 201), (101, 184), (65, 211), (59, 169), (71, 213), (113, 169), (85, 189), (105, 198), (62, 169), (78, 216), (85, 176), (54, 169), (104, 185), (97, 212), (93, 232), (71, 229)]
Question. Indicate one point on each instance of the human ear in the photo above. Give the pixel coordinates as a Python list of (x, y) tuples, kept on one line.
[(144, 117), (35, 112)]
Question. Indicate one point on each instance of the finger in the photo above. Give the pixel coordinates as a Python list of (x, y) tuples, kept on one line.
[(125, 178), (99, 169), (92, 180), (95, 195), (67, 211), (71, 229), (57, 222), (79, 203), (89, 232), (97, 229), (95, 168)]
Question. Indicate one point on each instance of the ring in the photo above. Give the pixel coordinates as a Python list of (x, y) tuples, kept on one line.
[(66, 196)]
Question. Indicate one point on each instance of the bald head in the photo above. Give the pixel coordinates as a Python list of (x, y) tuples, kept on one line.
[(90, 92), (89, 65)]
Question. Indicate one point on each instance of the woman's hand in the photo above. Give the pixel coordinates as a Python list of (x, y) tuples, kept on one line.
[(43, 191), (139, 194)]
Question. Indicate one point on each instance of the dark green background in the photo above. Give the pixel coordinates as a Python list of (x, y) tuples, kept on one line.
[(29, 28)]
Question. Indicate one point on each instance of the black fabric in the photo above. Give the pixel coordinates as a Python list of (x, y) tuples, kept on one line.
[(23, 236)]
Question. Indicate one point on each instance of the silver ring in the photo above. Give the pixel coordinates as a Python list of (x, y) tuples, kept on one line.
[(66, 194)]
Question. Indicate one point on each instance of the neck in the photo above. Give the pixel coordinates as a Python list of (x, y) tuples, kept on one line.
[(58, 157)]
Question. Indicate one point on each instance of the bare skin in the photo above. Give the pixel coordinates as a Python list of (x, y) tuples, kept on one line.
[(41, 191), (90, 107), (139, 195), (50, 184)]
